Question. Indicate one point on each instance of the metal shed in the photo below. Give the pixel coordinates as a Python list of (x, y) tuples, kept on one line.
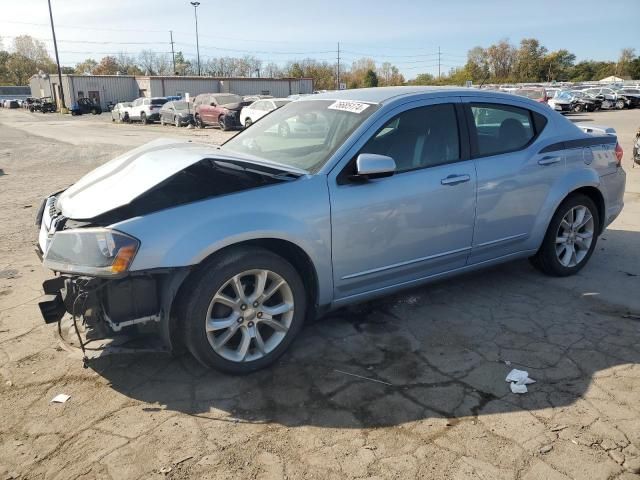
[(105, 89)]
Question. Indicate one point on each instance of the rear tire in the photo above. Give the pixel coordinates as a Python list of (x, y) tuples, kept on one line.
[(619, 104), (238, 317), (143, 118), (568, 244), (176, 122)]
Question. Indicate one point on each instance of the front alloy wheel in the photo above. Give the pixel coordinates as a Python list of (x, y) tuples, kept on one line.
[(249, 315), (242, 309)]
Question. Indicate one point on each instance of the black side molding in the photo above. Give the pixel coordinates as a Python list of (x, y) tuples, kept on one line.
[(580, 143)]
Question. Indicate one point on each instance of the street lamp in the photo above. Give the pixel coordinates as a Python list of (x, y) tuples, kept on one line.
[(195, 12)]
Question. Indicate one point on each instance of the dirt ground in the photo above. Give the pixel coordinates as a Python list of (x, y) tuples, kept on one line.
[(433, 402)]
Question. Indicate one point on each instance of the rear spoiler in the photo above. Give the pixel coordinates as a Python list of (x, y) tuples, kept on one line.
[(597, 129)]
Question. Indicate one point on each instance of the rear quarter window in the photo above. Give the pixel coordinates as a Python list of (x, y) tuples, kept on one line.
[(504, 128)]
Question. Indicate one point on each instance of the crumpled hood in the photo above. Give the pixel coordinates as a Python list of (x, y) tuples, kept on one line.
[(123, 179)]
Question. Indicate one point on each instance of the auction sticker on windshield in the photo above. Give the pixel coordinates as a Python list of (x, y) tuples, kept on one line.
[(349, 106)]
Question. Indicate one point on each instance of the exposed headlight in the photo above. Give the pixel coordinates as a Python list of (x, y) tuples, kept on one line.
[(91, 251)]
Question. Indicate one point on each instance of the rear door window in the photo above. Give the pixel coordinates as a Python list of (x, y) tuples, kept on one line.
[(504, 128)]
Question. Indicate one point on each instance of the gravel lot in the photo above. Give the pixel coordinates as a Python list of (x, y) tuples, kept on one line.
[(439, 406)]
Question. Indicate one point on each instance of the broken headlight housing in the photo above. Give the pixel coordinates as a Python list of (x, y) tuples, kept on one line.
[(99, 252)]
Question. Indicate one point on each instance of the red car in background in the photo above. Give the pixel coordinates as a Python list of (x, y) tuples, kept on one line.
[(221, 109), (534, 93)]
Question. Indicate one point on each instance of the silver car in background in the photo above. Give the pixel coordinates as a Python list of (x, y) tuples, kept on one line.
[(226, 250)]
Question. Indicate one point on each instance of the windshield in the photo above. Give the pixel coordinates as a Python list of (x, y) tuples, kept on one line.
[(281, 103), (564, 96), (302, 134), (530, 93), (226, 99), (181, 105)]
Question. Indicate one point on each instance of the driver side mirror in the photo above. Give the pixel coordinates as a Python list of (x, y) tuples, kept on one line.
[(371, 165)]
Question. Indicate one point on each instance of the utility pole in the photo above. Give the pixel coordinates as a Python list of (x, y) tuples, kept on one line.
[(173, 55), (438, 63), (338, 69), (195, 11), (55, 47)]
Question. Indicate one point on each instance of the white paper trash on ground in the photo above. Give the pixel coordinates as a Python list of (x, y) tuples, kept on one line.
[(60, 398), (519, 380)]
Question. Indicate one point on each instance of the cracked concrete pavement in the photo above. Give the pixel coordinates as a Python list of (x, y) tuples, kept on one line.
[(440, 407)]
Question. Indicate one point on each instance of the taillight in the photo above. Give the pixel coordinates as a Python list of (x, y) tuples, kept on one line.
[(619, 153)]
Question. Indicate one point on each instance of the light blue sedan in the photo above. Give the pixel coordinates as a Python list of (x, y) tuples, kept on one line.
[(228, 249)]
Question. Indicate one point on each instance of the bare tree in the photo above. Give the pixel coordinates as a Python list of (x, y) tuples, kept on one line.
[(501, 59)]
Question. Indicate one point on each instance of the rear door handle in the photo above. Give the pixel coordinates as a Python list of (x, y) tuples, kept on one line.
[(549, 160), (455, 179)]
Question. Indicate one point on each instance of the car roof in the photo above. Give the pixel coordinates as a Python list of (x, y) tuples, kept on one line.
[(384, 94)]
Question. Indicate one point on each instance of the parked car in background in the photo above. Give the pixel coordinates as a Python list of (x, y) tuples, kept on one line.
[(631, 95), (583, 102), (636, 148), (610, 97), (44, 105), (227, 250), (178, 113), (28, 102), (120, 112), (537, 94), (258, 109), (11, 104), (255, 98), (84, 106), (219, 109), (145, 109)]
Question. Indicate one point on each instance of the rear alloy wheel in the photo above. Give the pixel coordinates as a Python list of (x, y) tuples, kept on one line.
[(570, 238), (176, 122), (243, 310), (578, 108)]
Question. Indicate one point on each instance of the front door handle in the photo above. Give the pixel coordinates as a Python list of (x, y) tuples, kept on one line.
[(548, 160), (455, 179)]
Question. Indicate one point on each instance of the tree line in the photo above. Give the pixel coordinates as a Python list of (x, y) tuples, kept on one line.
[(530, 61), (501, 62)]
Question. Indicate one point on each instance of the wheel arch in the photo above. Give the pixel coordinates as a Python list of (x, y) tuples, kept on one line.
[(598, 198), (288, 250)]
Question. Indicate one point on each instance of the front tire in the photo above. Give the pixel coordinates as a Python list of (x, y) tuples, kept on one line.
[(222, 124), (242, 310), (619, 104), (176, 122), (143, 118), (570, 239)]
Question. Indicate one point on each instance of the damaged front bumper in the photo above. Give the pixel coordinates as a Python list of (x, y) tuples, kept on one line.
[(106, 305), (109, 307)]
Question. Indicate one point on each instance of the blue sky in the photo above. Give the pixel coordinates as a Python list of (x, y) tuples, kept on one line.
[(405, 33)]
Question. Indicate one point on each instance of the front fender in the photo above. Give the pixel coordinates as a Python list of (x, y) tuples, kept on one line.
[(570, 181), (295, 211)]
